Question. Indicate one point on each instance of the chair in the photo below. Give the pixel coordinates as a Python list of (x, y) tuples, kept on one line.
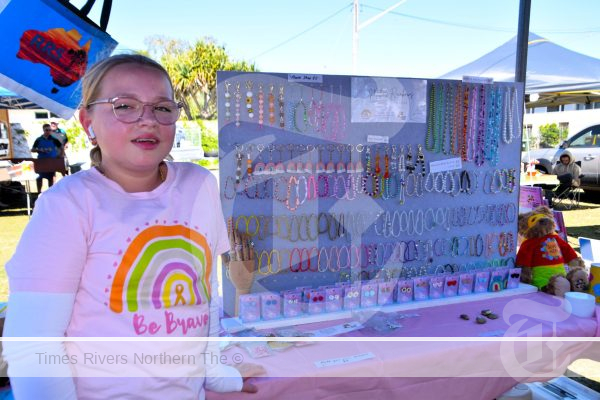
[(566, 195)]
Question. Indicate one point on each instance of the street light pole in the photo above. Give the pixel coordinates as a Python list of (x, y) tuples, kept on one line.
[(356, 27)]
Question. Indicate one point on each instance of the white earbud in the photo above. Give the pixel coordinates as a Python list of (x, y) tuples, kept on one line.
[(91, 133)]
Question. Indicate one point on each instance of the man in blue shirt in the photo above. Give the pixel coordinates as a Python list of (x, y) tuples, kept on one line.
[(46, 146)]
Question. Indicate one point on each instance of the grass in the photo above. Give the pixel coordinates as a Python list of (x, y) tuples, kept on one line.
[(12, 224)]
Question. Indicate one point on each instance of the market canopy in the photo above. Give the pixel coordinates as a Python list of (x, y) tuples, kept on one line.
[(557, 74), (12, 101)]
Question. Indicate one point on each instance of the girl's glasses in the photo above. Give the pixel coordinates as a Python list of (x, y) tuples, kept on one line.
[(130, 110)]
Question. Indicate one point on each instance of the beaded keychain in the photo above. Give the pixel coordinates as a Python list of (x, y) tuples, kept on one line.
[(249, 99), (238, 166), (271, 104), (330, 168), (320, 164), (249, 160), (420, 159), (261, 105), (281, 103), (227, 101), (238, 98), (259, 167)]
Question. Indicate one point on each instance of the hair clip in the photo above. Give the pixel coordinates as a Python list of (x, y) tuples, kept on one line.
[(451, 283)]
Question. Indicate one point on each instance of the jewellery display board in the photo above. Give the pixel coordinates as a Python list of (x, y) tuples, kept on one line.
[(380, 189)]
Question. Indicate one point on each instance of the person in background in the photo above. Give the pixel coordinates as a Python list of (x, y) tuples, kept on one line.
[(137, 257), (61, 135), (567, 172), (46, 146)]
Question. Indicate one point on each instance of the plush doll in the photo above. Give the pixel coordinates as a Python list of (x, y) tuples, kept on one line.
[(543, 255)]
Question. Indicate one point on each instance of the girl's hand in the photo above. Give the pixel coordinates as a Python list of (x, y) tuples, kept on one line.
[(249, 370)]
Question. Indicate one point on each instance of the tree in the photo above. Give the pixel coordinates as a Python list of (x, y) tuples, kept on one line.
[(193, 69), (549, 135)]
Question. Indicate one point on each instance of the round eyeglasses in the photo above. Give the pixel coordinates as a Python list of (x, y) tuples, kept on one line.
[(130, 110)]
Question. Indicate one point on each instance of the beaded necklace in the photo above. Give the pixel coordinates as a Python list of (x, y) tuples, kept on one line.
[(238, 165), (429, 137), (439, 123), (465, 128), (480, 144), (507, 125), (300, 106)]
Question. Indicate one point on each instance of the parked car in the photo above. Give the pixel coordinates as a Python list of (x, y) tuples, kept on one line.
[(187, 145), (585, 147)]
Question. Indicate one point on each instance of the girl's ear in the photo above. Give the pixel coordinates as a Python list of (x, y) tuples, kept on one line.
[(84, 119)]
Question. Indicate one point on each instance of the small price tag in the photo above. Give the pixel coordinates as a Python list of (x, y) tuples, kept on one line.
[(478, 79), (377, 139), (337, 329), (445, 165), (305, 78), (344, 360)]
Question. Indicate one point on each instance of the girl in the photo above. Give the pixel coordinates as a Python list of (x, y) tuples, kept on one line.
[(125, 249)]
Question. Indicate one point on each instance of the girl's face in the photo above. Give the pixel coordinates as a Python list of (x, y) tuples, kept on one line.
[(131, 147)]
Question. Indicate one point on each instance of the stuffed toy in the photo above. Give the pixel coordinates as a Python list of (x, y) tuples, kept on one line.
[(543, 255)]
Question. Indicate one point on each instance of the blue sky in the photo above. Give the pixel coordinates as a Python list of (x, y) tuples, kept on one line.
[(421, 38)]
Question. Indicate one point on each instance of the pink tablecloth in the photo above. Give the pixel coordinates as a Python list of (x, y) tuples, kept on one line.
[(437, 369)]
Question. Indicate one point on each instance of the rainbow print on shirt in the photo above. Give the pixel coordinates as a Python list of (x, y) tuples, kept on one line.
[(163, 267)]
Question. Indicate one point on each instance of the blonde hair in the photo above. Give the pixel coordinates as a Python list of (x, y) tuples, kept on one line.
[(93, 78)]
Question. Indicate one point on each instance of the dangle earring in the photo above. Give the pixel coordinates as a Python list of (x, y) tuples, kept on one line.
[(238, 98), (227, 101), (368, 158), (249, 99), (271, 105)]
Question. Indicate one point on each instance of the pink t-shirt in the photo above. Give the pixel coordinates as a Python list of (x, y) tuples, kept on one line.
[(139, 264)]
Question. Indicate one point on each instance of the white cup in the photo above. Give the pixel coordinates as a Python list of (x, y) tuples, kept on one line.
[(580, 304)]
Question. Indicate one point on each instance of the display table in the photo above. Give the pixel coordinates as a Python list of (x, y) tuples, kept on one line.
[(539, 180), (481, 368)]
